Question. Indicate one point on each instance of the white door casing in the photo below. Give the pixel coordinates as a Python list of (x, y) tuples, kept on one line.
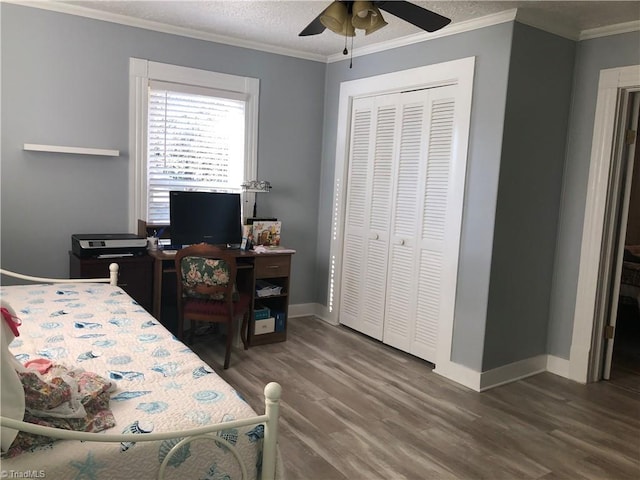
[(458, 73), (583, 363)]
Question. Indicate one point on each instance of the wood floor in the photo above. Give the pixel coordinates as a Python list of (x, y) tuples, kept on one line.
[(354, 409)]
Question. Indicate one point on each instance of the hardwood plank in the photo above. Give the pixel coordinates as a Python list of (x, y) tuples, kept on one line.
[(354, 408)]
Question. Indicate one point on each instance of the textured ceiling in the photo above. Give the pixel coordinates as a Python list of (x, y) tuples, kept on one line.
[(276, 23)]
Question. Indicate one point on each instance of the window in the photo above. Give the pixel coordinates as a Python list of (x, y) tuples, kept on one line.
[(195, 141), (190, 130)]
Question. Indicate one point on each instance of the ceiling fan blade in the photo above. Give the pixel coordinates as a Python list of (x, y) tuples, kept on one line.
[(314, 28), (418, 16)]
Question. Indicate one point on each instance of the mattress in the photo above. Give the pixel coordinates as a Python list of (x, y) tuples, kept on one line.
[(161, 385)]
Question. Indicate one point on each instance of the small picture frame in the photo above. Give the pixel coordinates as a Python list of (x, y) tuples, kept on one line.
[(247, 237), (267, 233)]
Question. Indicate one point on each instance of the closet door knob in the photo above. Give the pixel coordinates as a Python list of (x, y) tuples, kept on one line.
[(401, 242), (375, 236)]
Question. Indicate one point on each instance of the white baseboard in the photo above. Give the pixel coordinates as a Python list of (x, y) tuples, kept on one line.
[(302, 310), (579, 368), (478, 381), (558, 366), (310, 309), (481, 381), (513, 372), (459, 374)]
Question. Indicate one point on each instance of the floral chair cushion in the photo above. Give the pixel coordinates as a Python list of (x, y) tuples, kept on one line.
[(204, 271)]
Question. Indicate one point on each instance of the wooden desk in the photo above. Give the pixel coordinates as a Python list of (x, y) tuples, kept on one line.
[(274, 267), (135, 275)]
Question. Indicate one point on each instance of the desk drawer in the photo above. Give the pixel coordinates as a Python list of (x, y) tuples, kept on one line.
[(272, 265)]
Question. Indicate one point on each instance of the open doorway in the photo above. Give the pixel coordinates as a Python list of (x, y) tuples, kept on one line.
[(625, 364), (604, 228)]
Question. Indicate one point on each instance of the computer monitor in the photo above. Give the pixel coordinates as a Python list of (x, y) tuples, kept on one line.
[(205, 217)]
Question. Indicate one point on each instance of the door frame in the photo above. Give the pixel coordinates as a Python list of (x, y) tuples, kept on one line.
[(624, 163), (588, 322), (456, 72)]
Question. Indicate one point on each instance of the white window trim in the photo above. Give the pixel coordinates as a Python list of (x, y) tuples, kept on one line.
[(140, 73)]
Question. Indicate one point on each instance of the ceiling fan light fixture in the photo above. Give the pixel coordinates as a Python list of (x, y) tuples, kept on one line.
[(334, 17), (348, 29), (376, 23), (362, 10)]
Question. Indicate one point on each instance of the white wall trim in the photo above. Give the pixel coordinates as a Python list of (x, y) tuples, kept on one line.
[(477, 381), (141, 71), (544, 22), (602, 148), (558, 366), (79, 11), (310, 310), (513, 372), (459, 374), (610, 30), (482, 381), (452, 29)]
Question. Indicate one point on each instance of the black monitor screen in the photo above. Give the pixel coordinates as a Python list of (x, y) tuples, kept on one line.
[(198, 217)]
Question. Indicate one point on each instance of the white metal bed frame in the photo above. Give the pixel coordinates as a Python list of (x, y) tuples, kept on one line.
[(272, 393)]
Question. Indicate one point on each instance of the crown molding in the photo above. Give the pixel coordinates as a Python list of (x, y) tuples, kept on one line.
[(164, 28), (521, 16), (451, 29), (547, 24), (610, 30)]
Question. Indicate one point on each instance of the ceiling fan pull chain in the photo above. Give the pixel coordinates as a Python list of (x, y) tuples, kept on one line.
[(351, 58)]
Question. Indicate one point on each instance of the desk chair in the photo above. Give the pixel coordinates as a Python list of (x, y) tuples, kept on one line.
[(206, 291)]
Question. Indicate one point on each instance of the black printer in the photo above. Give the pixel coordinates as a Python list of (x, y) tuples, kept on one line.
[(108, 244)]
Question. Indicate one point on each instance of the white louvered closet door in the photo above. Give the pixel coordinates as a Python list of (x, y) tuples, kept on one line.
[(439, 225), (398, 275), (369, 189), (420, 223), (401, 288)]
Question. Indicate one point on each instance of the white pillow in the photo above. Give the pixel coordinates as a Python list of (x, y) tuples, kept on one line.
[(11, 391)]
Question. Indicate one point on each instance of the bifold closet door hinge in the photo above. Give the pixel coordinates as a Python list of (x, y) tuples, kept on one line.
[(609, 332), (631, 137)]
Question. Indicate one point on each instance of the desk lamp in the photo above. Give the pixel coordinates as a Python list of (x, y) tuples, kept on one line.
[(256, 186)]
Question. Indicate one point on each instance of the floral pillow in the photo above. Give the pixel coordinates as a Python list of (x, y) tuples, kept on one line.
[(204, 271)]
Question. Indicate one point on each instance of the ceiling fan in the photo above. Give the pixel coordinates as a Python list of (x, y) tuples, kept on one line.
[(343, 17)]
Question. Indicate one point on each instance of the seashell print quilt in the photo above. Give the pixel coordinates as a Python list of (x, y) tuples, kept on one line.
[(161, 386)]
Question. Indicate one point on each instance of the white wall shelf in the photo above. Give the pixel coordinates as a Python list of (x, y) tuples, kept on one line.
[(34, 147)]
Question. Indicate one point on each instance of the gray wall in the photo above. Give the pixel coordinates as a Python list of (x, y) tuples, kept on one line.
[(65, 82), (491, 47), (591, 57), (533, 150)]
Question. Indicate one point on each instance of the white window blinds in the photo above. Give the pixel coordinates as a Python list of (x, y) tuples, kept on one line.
[(195, 141)]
